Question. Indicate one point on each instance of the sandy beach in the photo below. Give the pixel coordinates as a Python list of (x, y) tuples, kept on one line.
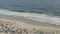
[(30, 25), (29, 16)]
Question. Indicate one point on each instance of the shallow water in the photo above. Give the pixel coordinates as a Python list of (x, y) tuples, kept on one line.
[(37, 17)]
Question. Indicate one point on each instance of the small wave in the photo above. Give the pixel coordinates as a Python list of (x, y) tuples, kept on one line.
[(34, 16), (30, 11)]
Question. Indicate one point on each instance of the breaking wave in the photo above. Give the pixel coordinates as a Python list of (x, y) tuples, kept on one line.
[(34, 16)]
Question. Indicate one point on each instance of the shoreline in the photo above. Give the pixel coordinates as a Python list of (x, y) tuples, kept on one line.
[(24, 23), (29, 21)]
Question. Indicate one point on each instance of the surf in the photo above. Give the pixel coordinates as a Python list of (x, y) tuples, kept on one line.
[(34, 16)]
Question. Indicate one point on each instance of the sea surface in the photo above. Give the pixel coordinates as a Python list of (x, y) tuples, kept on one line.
[(39, 10)]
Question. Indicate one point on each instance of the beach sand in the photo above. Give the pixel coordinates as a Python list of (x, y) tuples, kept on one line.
[(28, 24)]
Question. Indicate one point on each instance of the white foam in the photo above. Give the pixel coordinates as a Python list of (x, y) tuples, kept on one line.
[(33, 16)]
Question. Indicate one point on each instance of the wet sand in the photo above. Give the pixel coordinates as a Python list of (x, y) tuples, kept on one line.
[(24, 23), (29, 21)]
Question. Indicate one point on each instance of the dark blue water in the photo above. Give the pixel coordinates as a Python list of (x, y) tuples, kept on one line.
[(50, 7)]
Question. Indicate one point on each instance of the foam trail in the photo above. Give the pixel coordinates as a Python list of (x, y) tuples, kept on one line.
[(38, 17)]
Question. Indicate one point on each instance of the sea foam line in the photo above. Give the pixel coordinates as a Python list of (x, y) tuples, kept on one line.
[(38, 17)]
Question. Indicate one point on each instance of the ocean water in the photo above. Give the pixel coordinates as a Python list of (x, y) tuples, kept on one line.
[(39, 10)]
